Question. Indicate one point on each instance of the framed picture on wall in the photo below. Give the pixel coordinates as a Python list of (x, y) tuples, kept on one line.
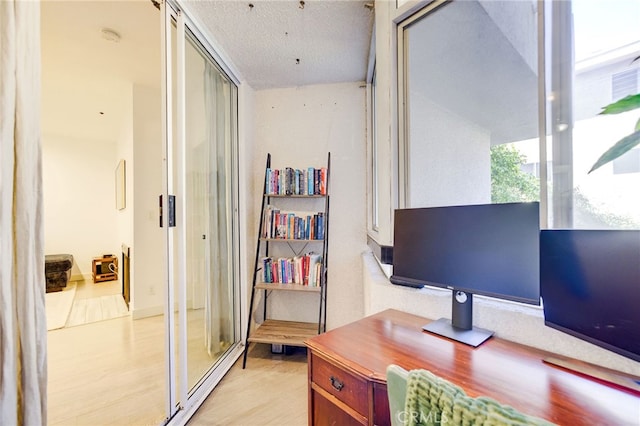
[(120, 185)]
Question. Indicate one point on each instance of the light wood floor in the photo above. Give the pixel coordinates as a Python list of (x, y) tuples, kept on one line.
[(112, 373), (271, 390), (89, 289), (107, 373)]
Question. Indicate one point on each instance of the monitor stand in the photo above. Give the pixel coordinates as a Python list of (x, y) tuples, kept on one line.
[(473, 337), (460, 327)]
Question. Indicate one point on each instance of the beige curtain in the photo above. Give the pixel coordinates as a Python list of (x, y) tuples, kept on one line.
[(23, 338), (218, 298)]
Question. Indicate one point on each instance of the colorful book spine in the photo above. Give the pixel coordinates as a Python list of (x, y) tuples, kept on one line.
[(289, 181), (292, 226), (301, 270)]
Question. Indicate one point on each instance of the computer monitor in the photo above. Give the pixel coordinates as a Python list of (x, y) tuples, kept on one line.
[(590, 286), (489, 249)]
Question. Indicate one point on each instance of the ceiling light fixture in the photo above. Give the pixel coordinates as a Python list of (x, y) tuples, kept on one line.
[(110, 35)]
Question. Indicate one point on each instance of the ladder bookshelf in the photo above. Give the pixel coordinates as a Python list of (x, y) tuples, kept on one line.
[(307, 239)]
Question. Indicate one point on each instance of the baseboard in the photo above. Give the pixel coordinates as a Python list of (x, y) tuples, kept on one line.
[(147, 312), (154, 311)]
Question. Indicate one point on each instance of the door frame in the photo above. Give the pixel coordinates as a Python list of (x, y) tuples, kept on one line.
[(181, 402)]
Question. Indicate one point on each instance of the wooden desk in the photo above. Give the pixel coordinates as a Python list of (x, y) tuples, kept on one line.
[(347, 383)]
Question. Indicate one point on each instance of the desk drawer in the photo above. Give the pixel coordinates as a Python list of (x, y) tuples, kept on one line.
[(345, 386), (327, 414)]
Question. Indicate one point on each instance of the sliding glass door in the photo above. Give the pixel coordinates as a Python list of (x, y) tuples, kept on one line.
[(201, 223), (209, 100)]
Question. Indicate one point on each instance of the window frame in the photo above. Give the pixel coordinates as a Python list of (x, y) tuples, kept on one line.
[(404, 21)]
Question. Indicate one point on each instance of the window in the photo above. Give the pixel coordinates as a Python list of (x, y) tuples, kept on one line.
[(604, 41), (471, 104), (624, 84), (483, 119), (627, 163), (533, 168), (375, 206)]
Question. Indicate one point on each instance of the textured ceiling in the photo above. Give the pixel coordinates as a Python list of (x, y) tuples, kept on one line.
[(86, 80), (285, 43)]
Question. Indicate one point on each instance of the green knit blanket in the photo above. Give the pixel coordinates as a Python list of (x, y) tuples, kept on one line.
[(432, 401)]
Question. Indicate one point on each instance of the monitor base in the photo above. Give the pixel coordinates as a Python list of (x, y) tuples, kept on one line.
[(473, 337)]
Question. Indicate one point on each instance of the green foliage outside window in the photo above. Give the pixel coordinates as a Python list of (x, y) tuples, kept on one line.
[(509, 184)]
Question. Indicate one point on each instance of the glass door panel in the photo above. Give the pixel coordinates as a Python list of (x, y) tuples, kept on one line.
[(209, 213), (202, 298), (201, 172)]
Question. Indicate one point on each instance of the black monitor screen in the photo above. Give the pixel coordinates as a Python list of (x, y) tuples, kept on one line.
[(489, 249), (590, 285)]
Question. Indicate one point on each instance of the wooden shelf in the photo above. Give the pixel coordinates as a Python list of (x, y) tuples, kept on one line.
[(290, 333), (289, 287), (105, 277), (270, 258), (104, 268)]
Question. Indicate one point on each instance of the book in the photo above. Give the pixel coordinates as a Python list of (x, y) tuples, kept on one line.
[(320, 226), (323, 181), (315, 263), (290, 181), (292, 225), (302, 270), (310, 175), (267, 270)]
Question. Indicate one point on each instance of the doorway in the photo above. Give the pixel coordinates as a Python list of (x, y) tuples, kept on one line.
[(103, 109)]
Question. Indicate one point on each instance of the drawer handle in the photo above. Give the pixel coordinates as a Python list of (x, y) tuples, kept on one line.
[(337, 384)]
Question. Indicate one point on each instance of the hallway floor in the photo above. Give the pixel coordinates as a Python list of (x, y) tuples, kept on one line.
[(112, 373)]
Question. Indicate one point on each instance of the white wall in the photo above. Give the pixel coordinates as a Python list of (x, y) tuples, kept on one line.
[(124, 151), (298, 126), (147, 248), (450, 159), (80, 216)]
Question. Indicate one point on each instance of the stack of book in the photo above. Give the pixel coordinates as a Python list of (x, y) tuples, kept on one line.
[(302, 270), (289, 181), (292, 226)]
